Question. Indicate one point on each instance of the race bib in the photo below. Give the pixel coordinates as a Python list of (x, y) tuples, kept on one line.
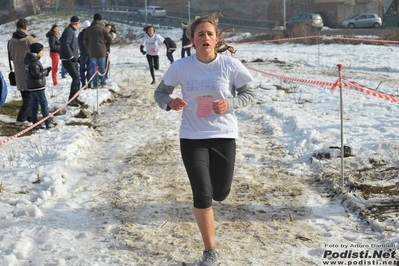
[(204, 106)]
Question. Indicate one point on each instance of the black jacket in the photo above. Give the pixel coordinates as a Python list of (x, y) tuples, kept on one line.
[(169, 43), (69, 44), (53, 42), (185, 39), (35, 74), (82, 48)]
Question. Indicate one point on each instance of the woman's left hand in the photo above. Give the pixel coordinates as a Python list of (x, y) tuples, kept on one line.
[(220, 106)]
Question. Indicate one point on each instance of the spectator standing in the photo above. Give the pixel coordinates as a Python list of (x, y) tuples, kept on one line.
[(69, 57), (214, 87), (170, 48), (84, 61), (36, 83), (96, 39), (55, 48), (18, 47), (112, 32), (185, 43), (151, 43)]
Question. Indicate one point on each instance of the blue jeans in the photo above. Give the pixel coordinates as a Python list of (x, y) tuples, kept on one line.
[(73, 71), (39, 98), (100, 62), (63, 71)]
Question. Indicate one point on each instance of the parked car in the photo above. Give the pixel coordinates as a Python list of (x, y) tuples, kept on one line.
[(310, 19), (155, 11), (365, 20)]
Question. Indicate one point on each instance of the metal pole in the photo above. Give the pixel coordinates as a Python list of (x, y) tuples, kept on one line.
[(342, 125), (145, 9), (284, 8), (188, 7)]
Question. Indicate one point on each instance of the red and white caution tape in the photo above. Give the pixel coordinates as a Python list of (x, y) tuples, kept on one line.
[(56, 111), (346, 83), (307, 81)]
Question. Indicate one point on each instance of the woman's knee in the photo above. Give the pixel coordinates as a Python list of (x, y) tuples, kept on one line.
[(221, 196), (202, 203)]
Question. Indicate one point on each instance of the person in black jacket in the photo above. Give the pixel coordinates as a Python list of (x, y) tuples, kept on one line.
[(35, 78), (170, 48), (55, 48), (84, 61), (70, 56), (186, 44)]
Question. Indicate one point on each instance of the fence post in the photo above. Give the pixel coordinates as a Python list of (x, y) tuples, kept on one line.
[(342, 124)]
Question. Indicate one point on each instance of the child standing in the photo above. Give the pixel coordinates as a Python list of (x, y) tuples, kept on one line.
[(151, 43), (36, 83)]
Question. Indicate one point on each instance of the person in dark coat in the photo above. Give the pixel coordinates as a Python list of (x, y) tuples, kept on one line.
[(96, 39), (170, 48), (18, 46), (70, 56), (186, 44), (112, 32), (35, 77), (84, 61)]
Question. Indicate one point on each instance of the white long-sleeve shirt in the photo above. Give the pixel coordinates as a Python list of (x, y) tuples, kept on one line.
[(151, 44), (223, 78)]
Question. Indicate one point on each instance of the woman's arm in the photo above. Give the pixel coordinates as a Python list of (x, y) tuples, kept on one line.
[(245, 96), (163, 99), (162, 95)]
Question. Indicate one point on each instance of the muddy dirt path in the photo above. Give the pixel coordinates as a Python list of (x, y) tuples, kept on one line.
[(273, 216)]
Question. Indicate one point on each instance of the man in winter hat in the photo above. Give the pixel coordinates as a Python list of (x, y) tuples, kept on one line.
[(95, 39), (69, 56)]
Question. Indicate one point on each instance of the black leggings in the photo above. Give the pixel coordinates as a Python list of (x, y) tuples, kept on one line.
[(210, 166), (153, 62)]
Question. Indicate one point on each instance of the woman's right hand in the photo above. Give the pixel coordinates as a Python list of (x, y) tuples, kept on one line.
[(177, 104)]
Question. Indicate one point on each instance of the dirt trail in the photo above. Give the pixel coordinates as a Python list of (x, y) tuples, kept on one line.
[(266, 220)]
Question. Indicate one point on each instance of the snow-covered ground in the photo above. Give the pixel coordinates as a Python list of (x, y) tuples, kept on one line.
[(116, 192)]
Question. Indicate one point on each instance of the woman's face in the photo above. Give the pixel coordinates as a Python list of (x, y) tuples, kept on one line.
[(205, 38), (56, 30), (150, 32)]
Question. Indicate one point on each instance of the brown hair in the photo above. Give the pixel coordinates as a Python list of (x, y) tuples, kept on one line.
[(53, 27), (213, 19), (146, 28)]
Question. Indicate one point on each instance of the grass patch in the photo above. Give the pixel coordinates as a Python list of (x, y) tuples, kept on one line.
[(11, 129), (280, 88), (11, 108), (368, 191), (76, 123)]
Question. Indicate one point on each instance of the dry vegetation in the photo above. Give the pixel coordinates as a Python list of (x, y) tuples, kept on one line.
[(296, 33)]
